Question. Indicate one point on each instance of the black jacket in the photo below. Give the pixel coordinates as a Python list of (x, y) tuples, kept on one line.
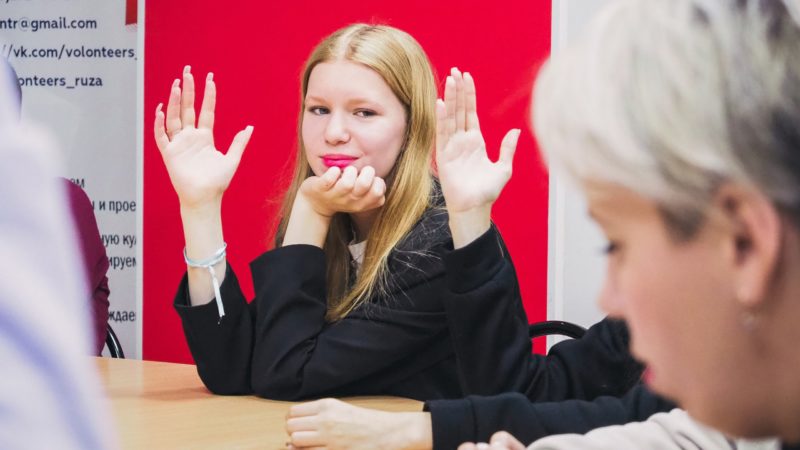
[(280, 346), (410, 342), (580, 385)]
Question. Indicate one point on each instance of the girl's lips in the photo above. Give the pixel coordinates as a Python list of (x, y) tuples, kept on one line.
[(338, 161)]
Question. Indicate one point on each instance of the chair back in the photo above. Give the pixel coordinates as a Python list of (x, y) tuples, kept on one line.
[(113, 345)]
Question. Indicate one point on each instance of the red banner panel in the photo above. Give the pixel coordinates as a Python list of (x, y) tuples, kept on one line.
[(257, 52)]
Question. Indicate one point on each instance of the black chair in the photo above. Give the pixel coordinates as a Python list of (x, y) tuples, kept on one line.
[(549, 327), (113, 345)]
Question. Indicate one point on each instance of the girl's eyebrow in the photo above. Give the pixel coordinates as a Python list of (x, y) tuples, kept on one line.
[(350, 101), (314, 98)]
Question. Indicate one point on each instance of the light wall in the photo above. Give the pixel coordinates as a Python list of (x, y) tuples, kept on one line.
[(576, 263)]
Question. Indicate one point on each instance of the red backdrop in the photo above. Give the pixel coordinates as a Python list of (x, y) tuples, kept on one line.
[(256, 54)]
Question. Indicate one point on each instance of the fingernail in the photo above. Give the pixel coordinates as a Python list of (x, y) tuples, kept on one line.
[(158, 108), (450, 80), (249, 128), (176, 83), (210, 76), (187, 69)]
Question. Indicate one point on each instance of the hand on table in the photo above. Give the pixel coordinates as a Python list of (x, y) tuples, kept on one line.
[(333, 424)]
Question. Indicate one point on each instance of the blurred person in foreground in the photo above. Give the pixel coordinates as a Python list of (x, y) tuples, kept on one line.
[(49, 394), (683, 131)]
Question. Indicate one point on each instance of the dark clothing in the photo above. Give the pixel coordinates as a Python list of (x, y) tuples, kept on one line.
[(477, 418), (280, 346), (493, 348), (95, 261), (494, 356), (401, 343)]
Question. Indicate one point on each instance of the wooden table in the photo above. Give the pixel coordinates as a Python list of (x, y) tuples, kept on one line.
[(165, 405)]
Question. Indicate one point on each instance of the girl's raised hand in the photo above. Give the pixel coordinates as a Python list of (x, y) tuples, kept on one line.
[(469, 178), (199, 172), (471, 182)]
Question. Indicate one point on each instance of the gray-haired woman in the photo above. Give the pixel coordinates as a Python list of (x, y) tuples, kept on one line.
[(680, 119)]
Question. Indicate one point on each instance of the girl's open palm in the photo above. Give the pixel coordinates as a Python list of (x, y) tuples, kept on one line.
[(199, 172), (469, 178)]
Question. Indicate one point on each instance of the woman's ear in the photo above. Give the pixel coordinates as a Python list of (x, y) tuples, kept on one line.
[(755, 236)]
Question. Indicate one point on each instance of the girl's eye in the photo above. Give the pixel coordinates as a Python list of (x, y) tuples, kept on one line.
[(318, 110), (365, 113)]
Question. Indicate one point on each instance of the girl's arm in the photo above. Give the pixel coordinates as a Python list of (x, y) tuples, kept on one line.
[(199, 173)]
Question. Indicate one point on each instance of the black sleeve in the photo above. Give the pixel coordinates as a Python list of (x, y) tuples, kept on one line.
[(221, 348), (476, 418), (490, 336), (298, 354)]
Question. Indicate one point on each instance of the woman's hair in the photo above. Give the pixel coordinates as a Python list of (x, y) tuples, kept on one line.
[(670, 98), (403, 65)]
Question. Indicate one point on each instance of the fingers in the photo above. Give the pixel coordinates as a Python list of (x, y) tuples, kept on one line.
[(460, 111), (173, 109), (187, 99), (461, 107), (305, 423), (325, 183), (450, 105), (504, 440), (508, 147), (441, 126), (159, 131), (307, 408), (471, 103), (347, 181), (239, 143), (306, 439), (206, 119), (347, 190), (365, 191), (364, 181), (379, 190), (485, 446)]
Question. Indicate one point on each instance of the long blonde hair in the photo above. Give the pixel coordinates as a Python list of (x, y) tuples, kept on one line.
[(403, 65)]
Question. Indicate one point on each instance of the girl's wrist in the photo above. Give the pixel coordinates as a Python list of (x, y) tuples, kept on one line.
[(468, 225), (306, 225), (202, 210)]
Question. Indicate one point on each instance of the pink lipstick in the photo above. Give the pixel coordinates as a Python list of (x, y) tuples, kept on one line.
[(338, 160)]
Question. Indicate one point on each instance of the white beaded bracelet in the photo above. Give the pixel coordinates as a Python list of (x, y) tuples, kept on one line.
[(209, 264)]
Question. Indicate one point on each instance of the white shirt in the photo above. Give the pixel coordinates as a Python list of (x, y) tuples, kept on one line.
[(674, 430), (357, 252)]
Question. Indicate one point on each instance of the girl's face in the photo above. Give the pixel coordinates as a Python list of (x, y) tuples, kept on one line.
[(351, 118), (679, 300)]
